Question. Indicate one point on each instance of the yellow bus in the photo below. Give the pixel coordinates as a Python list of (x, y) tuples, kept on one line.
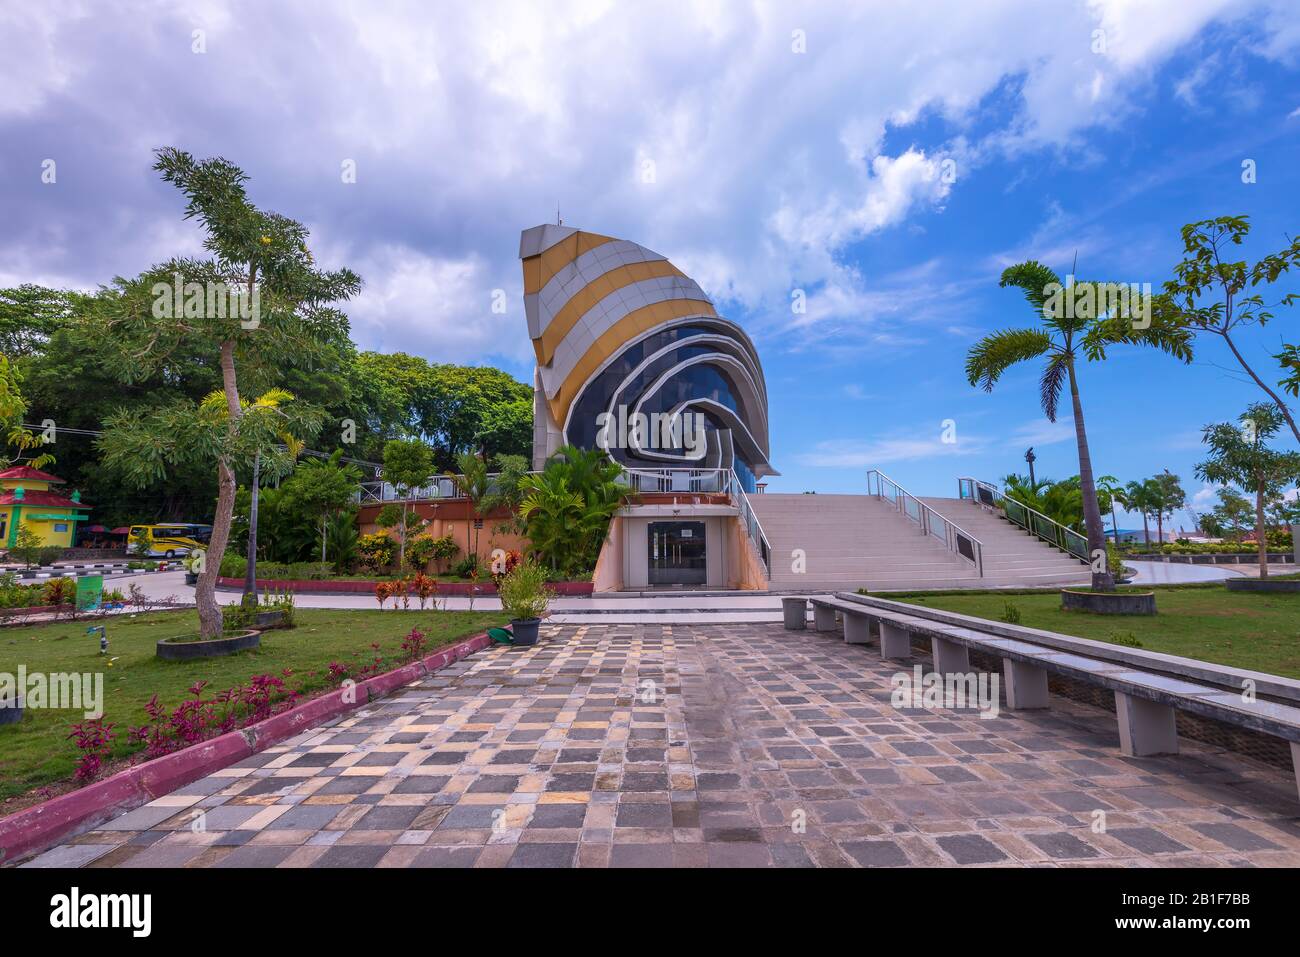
[(165, 541)]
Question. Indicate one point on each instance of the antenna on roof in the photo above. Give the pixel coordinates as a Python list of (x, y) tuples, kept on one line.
[(558, 221)]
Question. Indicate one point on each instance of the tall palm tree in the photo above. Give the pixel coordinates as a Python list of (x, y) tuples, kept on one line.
[(1071, 329), (1108, 488), (1137, 498)]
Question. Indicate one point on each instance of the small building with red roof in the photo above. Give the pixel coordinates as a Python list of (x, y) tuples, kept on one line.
[(28, 501)]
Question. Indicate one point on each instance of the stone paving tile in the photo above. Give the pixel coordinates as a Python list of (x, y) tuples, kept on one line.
[(702, 746)]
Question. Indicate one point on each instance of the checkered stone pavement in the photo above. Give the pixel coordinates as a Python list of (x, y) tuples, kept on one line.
[(702, 745)]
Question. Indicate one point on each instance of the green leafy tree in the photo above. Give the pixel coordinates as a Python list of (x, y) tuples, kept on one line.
[(1167, 497), (1239, 456), (268, 306), (323, 488), (407, 466), (29, 315), (1074, 326), (1211, 294), (27, 546), (1232, 516)]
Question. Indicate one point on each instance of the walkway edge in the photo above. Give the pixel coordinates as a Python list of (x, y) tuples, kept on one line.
[(37, 828)]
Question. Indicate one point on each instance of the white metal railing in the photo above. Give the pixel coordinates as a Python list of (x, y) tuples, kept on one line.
[(955, 538), (1031, 520)]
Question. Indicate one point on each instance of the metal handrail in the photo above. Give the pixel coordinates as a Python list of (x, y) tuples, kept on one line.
[(685, 481), (1030, 519), (753, 527), (955, 538)]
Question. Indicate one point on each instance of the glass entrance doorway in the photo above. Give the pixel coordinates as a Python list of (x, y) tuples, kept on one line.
[(677, 553)]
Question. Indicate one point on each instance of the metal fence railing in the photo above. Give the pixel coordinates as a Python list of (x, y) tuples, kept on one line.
[(1030, 519), (953, 537)]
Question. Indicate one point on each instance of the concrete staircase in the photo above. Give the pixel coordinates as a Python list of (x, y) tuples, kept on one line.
[(860, 541)]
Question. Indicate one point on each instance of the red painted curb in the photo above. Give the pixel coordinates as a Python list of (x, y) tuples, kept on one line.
[(458, 589), (36, 828)]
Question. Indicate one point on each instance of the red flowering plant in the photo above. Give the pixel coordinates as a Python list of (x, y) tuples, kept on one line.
[(198, 718), (414, 644), (94, 739)]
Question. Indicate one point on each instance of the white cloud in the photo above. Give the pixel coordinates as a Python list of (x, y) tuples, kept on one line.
[(472, 125)]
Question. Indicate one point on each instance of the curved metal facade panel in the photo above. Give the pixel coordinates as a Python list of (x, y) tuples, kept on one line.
[(624, 338)]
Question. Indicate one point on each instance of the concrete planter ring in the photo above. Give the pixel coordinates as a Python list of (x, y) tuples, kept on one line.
[(1291, 585), (11, 708), (1109, 602), (171, 649)]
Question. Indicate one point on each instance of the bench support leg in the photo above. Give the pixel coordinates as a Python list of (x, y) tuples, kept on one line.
[(1145, 728), (823, 618), (857, 629), (949, 656), (1026, 685), (894, 642), (1295, 763), (795, 613)]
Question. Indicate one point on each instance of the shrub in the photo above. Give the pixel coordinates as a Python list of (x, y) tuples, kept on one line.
[(523, 591), (413, 644), (1010, 613), (418, 552), (94, 739), (48, 554), (198, 718), (233, 566), (375, 551), (58, 591), (445, 548), (1126, 638), (424, 587), (466, 567)]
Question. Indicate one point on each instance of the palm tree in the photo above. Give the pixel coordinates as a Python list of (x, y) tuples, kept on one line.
[(1137, 498), (568, 506), (473, 484), (1108, 488), (1071, 329)]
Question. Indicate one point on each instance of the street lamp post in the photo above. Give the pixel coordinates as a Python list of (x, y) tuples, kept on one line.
[(250, 571), (1030, 457)]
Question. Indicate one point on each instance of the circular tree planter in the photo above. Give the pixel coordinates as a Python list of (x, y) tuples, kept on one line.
[(1109, 602), (172, 649), (269, 619), (11, 709), (1291, 585), (524, 631)]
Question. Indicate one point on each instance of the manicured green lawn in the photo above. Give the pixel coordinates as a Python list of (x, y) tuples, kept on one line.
[(35, 752), (1256, 631)]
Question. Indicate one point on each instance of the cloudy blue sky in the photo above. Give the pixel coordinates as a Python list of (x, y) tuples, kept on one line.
[(789, 147)]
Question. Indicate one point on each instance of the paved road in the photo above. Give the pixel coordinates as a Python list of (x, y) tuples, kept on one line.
[(702, 746)]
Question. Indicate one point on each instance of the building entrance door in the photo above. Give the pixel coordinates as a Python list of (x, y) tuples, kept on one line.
[(677, 553)]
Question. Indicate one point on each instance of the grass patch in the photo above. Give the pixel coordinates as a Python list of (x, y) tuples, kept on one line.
[(35, 752), (1259, 631)]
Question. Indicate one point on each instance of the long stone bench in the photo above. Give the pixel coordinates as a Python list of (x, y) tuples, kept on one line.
[(1149, 687)]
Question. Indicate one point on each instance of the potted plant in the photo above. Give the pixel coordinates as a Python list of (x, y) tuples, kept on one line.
[(525, 598), (193, 563)]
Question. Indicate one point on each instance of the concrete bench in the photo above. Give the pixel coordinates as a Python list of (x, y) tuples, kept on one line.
[(1149, 688)]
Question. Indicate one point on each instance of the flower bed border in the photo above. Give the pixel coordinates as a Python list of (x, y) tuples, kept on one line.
[(312, 586), (37, 828)]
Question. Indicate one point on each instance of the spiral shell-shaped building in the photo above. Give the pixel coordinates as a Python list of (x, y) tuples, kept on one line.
[(623, 337)]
